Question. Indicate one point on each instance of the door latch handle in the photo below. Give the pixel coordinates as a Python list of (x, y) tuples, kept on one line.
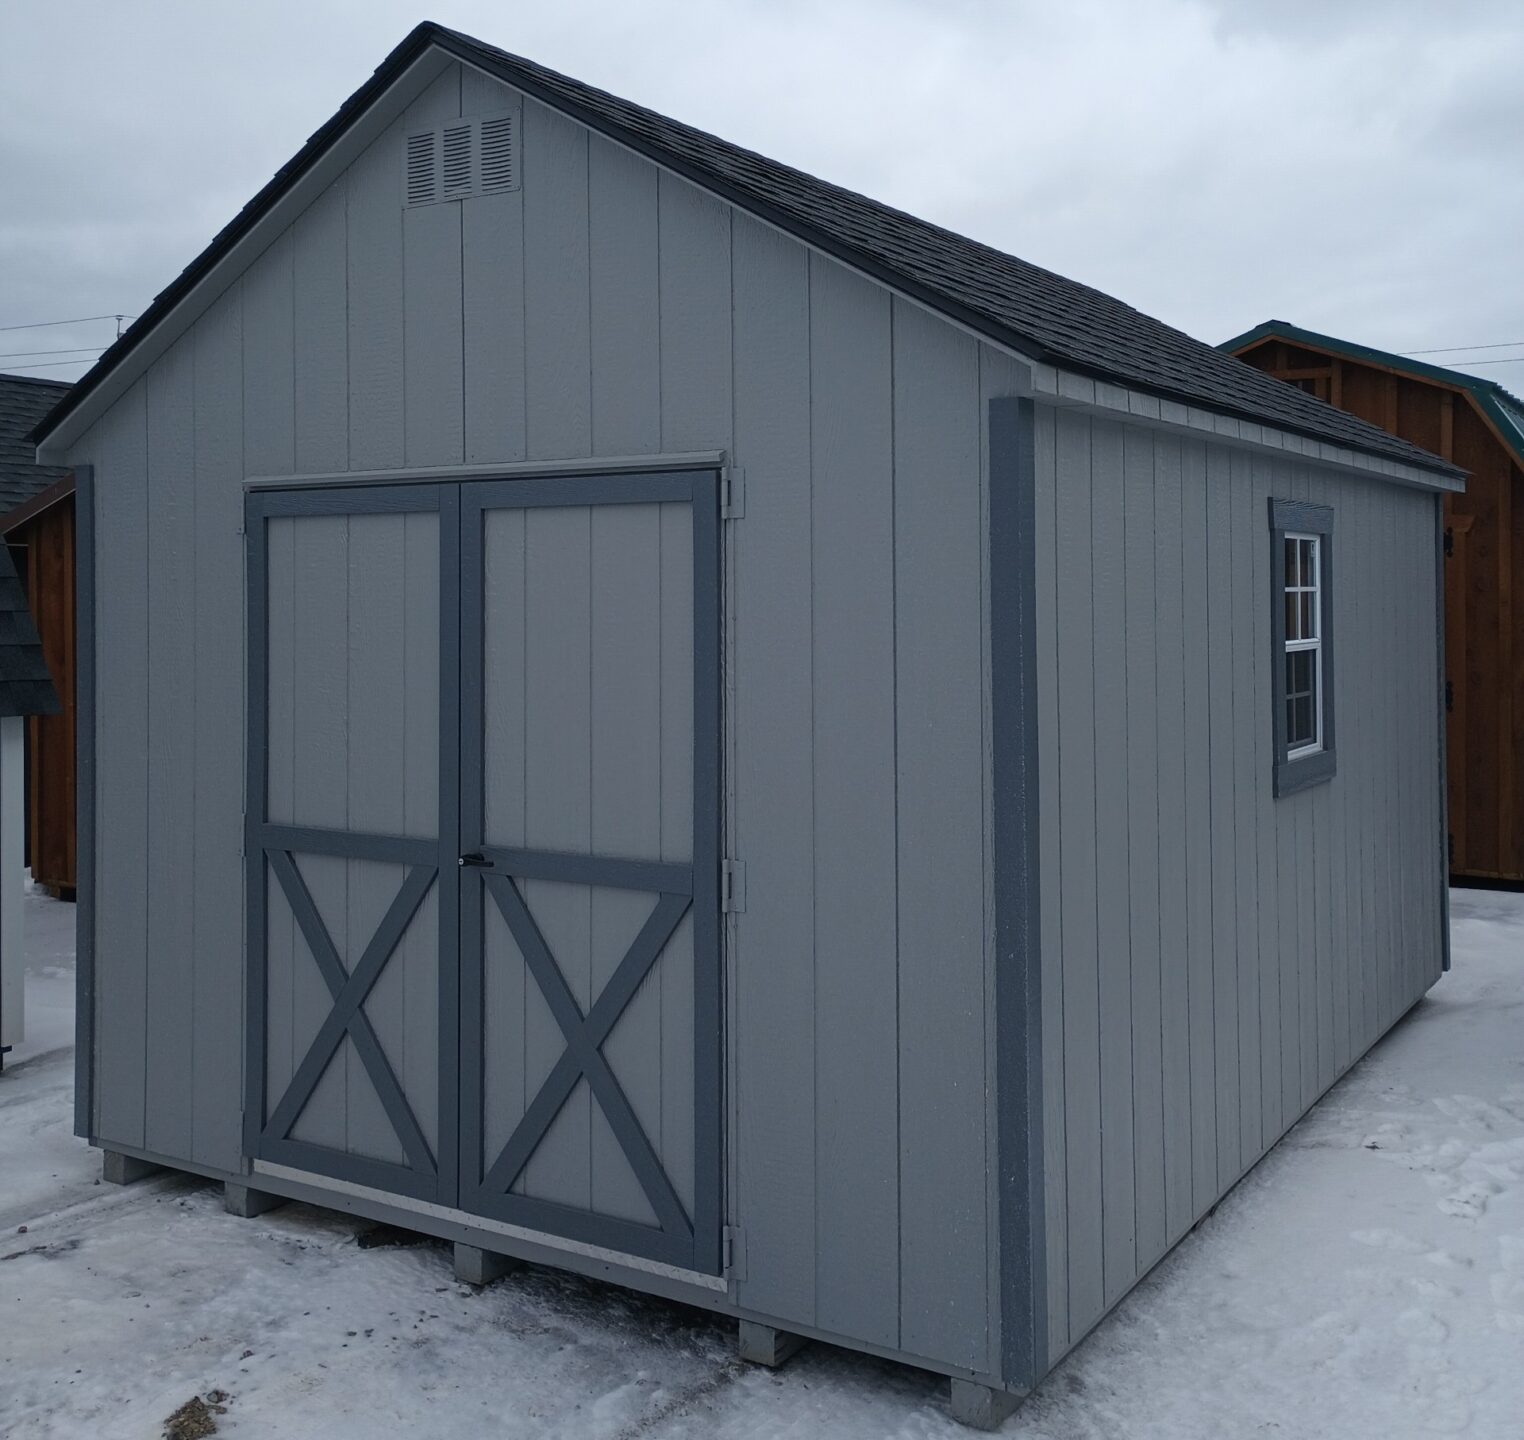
[(476, 860)]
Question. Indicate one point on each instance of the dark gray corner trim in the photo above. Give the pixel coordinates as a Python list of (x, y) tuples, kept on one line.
[(1291, 776), (84, 800), (1439, 705), (1018, 950)]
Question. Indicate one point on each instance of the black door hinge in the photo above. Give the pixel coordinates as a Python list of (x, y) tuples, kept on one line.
[(1449, 541), (1450, 847), (1449, 696)]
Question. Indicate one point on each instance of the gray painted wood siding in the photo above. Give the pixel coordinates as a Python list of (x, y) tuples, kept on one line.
[(589, 750), (609, 308), (1214, 958)]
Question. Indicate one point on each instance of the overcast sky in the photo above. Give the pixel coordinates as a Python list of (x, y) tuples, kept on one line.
[(1352, 166)]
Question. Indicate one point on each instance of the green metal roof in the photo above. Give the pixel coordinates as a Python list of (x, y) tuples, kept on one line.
[(1505, 410)]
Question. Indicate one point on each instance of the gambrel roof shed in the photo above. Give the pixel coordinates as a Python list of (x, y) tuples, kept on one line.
[(664, 579)]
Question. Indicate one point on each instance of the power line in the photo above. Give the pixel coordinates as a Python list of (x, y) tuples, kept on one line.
[(1504, 360), (1449, 349), (82, 320), (67, 350), (54, 364)]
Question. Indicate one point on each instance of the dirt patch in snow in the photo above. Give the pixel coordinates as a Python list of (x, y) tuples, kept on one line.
[(196, 1419)]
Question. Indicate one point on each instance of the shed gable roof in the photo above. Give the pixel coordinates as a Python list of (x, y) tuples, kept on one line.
[(1503, 409), (24, 401), (1014, 303)]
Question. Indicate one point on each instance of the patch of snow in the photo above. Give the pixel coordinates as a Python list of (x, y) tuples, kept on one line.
[(1367, 1279)]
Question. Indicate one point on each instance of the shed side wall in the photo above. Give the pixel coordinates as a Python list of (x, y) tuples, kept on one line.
[(1213, 958), (609, 309)]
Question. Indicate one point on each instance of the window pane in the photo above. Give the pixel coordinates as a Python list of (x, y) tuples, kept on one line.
[(1301, 699), (1309, 576), (1302, 731), (1293, 571), (1291, 617), (1299, 672), (1306, 631)]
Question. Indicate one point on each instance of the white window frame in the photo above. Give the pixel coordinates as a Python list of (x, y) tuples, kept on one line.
[(1314, 642)]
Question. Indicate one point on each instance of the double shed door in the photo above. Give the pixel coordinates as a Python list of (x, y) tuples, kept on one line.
[(483, 851)]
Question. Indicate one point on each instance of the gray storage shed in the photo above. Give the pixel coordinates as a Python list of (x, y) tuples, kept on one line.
[(654, 715)]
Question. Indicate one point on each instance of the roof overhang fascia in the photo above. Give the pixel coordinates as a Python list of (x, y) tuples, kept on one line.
[(1068, 390)]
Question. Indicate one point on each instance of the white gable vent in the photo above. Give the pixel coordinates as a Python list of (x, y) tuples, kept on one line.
[(460, 159)]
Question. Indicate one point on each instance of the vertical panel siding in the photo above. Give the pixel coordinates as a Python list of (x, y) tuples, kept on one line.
[(218, 680), (433, 321), (373, 233), (171, 737), (1054, 1138), (938, 654), (1226, 861), (1080, 1052), (492, 276), (625, 301), (556, 321), (1194, 619), (857, 1013), (609, 308), (321, 317), (1284, 936), (1108, 594), (1174, 756), (774, 740), (1144, 922)]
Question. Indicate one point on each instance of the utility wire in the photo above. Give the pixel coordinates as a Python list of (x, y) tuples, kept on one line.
[(54, 364), (1504, 360), (82, 320), (1450, 349), (67, 350)]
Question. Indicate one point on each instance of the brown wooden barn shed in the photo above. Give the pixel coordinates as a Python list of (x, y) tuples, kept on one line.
[(1478, 425), (37, 523)]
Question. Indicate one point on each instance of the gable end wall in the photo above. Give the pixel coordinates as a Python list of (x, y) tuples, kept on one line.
[(609, 309)]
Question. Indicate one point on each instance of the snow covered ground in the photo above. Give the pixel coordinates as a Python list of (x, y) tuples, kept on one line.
[(1366, 1280)]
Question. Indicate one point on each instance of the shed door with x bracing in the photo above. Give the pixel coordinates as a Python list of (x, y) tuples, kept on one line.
[(351, 844), (483, 851), (589, 926)]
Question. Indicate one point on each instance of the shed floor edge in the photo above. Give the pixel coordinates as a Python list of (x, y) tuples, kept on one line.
[(591, 1268)]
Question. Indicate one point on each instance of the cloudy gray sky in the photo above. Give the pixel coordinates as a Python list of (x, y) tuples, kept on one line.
[(1353, 166)]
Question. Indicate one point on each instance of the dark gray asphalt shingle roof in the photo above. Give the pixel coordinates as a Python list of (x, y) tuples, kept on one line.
[(26, 688), (1043, 314), (23, 402)]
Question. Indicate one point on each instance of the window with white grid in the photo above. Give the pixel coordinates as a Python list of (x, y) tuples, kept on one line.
[(1302, 631), (1304, 645)]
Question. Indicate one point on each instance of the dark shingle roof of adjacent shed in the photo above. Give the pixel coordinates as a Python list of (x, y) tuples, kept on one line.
[(23, 402), (26, 688), (1034, 310)]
